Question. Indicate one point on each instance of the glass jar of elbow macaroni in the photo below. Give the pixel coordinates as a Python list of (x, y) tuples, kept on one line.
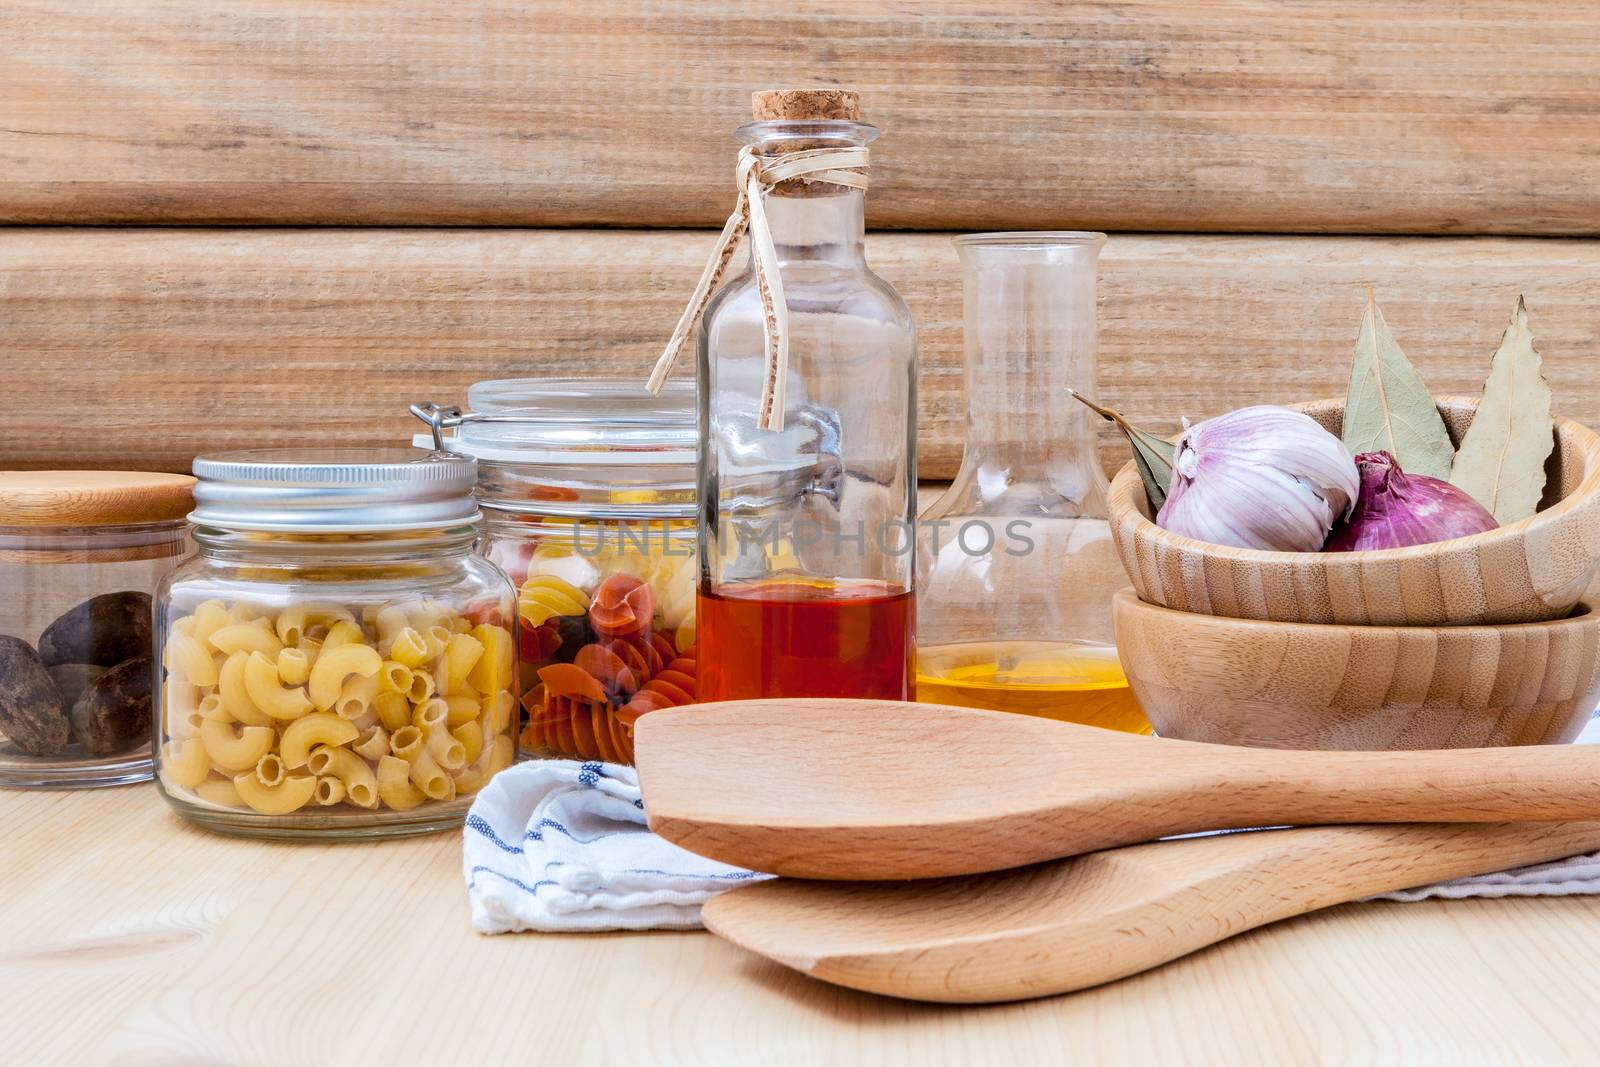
[(588, 491), (337, 660)]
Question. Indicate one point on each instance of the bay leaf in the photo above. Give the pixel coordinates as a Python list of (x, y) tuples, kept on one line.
[(1502, 456), (1153, 456), (1388, 408)]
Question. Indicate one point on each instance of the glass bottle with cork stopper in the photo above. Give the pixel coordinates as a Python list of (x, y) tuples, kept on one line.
[(1018, 565), (807, 401)]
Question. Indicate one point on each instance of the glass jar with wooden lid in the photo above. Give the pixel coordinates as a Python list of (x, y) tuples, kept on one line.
[(81, 553)]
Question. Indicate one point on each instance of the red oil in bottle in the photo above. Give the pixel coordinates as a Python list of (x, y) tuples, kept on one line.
[(806, 639)]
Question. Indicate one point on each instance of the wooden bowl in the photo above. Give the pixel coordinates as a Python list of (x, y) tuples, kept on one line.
[(1530, 570), (1301, 685)]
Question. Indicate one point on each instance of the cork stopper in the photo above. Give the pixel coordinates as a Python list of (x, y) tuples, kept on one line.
[(799, 105), (803, 105)]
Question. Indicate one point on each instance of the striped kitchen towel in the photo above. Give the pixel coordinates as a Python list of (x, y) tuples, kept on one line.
[(561, 845)]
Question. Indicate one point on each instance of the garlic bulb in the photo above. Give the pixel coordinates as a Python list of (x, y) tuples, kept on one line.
[(1260, 477)]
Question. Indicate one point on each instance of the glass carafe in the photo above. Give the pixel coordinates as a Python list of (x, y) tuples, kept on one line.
[(807, 547), (1016, 558)]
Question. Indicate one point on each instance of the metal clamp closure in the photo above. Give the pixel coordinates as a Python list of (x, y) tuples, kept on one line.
[(440, 418)]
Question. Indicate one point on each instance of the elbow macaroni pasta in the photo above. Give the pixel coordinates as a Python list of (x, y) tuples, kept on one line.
[(261, 685), (187, 762), (372, 743), (431, 779), (254, 636), (421, 686), (294, 666), (470, 734), (394, 710), (208, 618), (409, 649), (446, 749), (329, 792), (290, 794), (360, 780), (495, 667), (232, 750), (357, 697), (406, 743), (344, 632), (235, 697), (211, 708), (461, 654), (331, 707), (318, 728), (394, 677), (431, 714), (462, 708), (393, 618), (335, 665), (219, 791), (394, 784), (293, 621), (189, 660)]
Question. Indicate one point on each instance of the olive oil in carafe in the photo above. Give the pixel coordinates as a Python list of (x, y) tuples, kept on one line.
[(1069, 681)]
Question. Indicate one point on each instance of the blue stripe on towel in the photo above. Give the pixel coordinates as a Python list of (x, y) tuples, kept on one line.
[(472, 882), (478, 823), (735, 876)]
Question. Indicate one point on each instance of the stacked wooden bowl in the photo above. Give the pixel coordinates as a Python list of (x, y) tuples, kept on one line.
[(1478, 641)]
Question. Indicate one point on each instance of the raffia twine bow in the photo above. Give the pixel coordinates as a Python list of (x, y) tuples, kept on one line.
[(756, 173)]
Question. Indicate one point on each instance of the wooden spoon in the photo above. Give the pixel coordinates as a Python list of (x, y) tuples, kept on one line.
[(879, 789), (1063, 926)]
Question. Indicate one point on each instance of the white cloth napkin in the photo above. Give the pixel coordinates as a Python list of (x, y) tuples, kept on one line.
[(561, 845)]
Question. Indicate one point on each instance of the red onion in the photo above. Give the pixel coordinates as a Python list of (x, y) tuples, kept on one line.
[(1395, 509)]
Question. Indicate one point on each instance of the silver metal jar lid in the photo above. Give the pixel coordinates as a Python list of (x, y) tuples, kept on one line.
[(331, 490)]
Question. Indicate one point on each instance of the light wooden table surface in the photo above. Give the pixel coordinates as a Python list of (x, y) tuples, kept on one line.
[(130, 938)]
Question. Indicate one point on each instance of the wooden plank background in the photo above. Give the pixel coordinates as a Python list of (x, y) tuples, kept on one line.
[(1378, 116), (139, 347)]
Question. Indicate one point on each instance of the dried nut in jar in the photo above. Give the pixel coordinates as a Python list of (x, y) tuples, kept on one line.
[(32, 715), (103, 630), (113, 714), (73, 678)]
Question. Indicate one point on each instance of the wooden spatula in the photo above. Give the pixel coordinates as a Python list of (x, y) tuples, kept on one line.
[(877, 789), (1066, 925)]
